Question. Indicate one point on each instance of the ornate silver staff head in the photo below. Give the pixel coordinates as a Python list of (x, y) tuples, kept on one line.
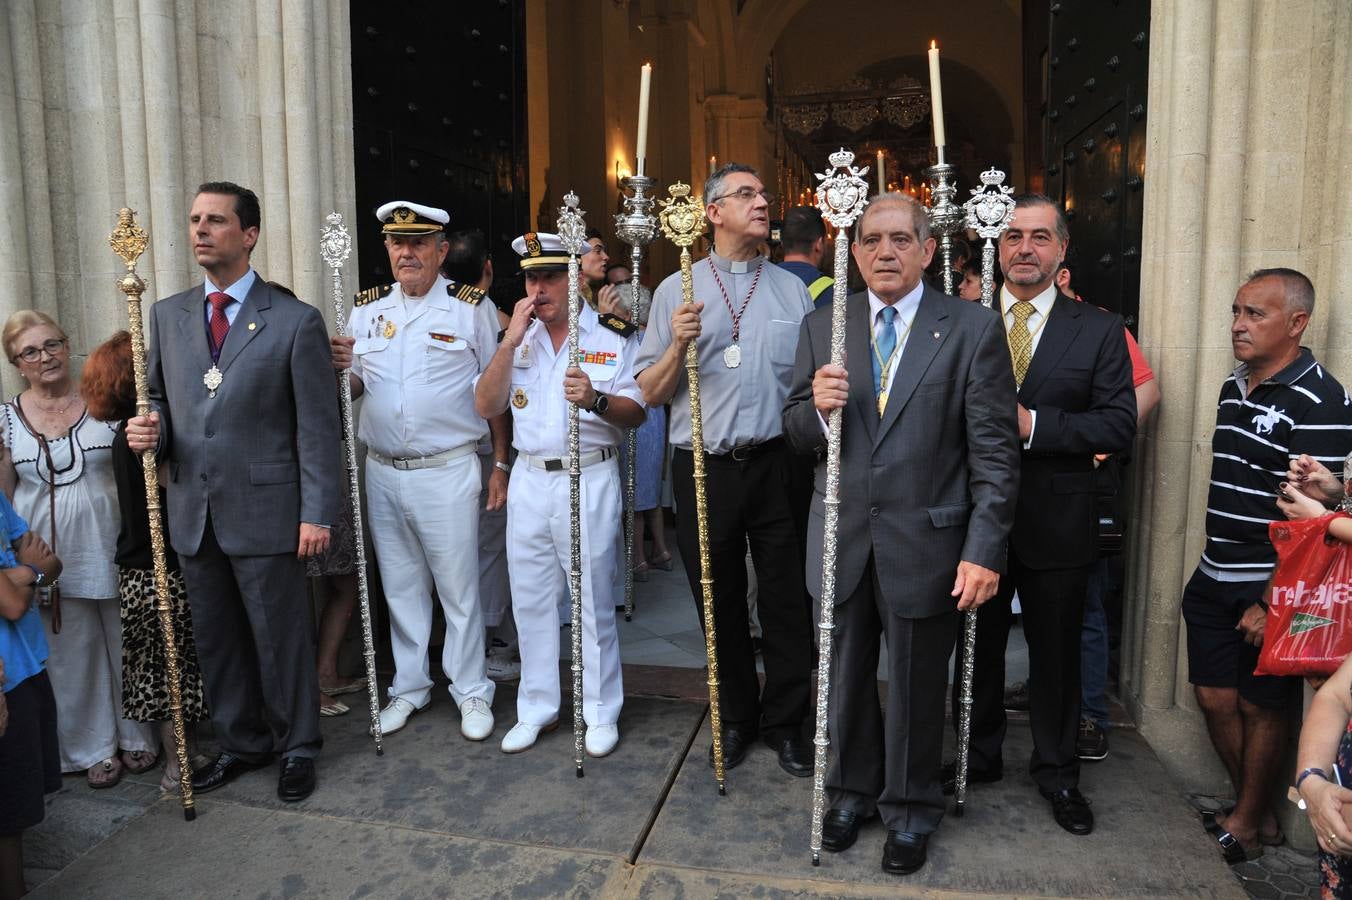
[(334, 242), (990, 209), (572, 228), (843, 192)]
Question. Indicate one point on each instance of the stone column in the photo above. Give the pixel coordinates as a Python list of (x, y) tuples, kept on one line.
[(135, 104), (1249, 160)]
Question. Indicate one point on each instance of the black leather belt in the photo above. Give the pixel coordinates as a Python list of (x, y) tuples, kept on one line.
[(745, 452)]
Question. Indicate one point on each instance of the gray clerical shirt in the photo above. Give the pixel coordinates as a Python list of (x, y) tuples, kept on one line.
[(741, 405)]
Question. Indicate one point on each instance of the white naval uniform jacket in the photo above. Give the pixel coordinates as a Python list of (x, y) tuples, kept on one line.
[(606, 351), (418, 361)]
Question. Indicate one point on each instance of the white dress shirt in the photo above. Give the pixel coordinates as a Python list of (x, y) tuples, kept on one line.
[(1042, 308), (238, 292)]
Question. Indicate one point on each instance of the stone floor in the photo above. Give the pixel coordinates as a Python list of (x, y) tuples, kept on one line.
[(438, 816)]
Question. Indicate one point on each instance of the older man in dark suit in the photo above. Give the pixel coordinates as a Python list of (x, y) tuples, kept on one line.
[(1075, 400), (247, 419), (929, 472)]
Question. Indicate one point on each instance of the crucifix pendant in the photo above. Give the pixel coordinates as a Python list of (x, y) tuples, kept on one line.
[(212, 379)]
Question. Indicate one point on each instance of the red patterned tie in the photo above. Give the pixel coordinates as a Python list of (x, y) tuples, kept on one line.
[(220, 325)]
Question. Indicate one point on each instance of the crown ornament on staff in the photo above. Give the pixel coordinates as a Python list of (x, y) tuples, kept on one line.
[(682, 221), (334, 242), (129, 241), (572, 228), (843, 192), (991, 206)]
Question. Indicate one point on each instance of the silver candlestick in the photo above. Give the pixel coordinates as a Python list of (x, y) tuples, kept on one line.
[(946, 217), (637, 227)]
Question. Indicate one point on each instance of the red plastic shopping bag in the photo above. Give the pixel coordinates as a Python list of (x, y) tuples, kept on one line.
[(1309, 627)]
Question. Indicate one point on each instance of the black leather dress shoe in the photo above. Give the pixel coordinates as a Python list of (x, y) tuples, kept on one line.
[(949, 776), (794, 755), (1071, 810), (904, 852), (222, 770), (735, 745), (840, 829), (297, 780)]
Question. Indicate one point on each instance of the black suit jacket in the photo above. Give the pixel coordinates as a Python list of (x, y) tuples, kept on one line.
[(1079, 381), (933, 481)]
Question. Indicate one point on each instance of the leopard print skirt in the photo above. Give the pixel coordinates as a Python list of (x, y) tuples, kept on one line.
[(145, 682)]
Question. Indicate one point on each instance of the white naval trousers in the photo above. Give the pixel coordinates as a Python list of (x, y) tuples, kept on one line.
[(425, 526), (539, 556)]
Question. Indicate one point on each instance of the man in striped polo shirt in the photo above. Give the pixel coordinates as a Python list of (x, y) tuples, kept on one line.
[(1277, 404)]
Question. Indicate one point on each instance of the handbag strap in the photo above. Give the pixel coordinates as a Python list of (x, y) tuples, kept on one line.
[(51, 501)]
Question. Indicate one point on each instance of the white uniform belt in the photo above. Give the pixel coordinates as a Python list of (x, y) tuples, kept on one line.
[(431, 461), (560, 464)]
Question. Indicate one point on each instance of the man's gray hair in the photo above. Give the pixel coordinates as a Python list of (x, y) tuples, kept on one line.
[(713, 188), (1296, 288), (919, 217)]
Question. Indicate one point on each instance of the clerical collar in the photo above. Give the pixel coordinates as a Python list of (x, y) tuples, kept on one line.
[(735, 266)]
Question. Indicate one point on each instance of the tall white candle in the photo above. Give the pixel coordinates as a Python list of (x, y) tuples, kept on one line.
[(882, 177), (713, 164), (936, 100), (645, 82)]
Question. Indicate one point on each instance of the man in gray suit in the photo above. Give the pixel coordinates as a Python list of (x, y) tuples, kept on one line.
[(246, 415), (929, 472)]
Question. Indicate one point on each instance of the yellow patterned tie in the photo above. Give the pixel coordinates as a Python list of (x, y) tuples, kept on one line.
[(1020, 341)]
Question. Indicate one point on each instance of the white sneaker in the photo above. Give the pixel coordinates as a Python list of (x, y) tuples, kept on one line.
[(476, 719), (395, 715), (601, 739), (501, 666), (522, 736)]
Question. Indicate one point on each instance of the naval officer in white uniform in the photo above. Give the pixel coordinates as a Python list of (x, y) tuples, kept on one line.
[(416, 347), (532, 377)]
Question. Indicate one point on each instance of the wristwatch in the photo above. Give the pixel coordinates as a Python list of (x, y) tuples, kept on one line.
[(502, 466), (600, 404), (38, 577)]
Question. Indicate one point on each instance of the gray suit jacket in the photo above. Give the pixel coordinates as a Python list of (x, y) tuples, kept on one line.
[(262, 455), (932, 482)]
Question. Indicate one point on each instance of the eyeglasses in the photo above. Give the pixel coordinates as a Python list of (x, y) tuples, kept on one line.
[(51, 347), (747, 195)]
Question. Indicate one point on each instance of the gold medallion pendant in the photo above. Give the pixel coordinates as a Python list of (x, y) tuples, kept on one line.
[(212, 379), (389, 329), (519, 399)]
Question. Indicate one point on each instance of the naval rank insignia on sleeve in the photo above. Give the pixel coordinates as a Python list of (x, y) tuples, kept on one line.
[(618, 325), (467, 292), (370, 295)]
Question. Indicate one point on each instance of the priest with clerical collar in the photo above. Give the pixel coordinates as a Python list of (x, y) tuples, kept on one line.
[(745, 324)]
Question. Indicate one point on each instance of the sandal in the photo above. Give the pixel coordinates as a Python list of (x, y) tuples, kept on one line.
[(138, 761), (662, 562), (641, 571), (169, 782), (348, 687), (1214, 828), (1233, 852), (334, 708), (105, 774)]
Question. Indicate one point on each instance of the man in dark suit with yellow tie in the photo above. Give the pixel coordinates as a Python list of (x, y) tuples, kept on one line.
[(928, 476), (1075, 400)]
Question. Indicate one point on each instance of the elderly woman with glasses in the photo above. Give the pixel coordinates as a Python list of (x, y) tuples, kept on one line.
[(56, 466)]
